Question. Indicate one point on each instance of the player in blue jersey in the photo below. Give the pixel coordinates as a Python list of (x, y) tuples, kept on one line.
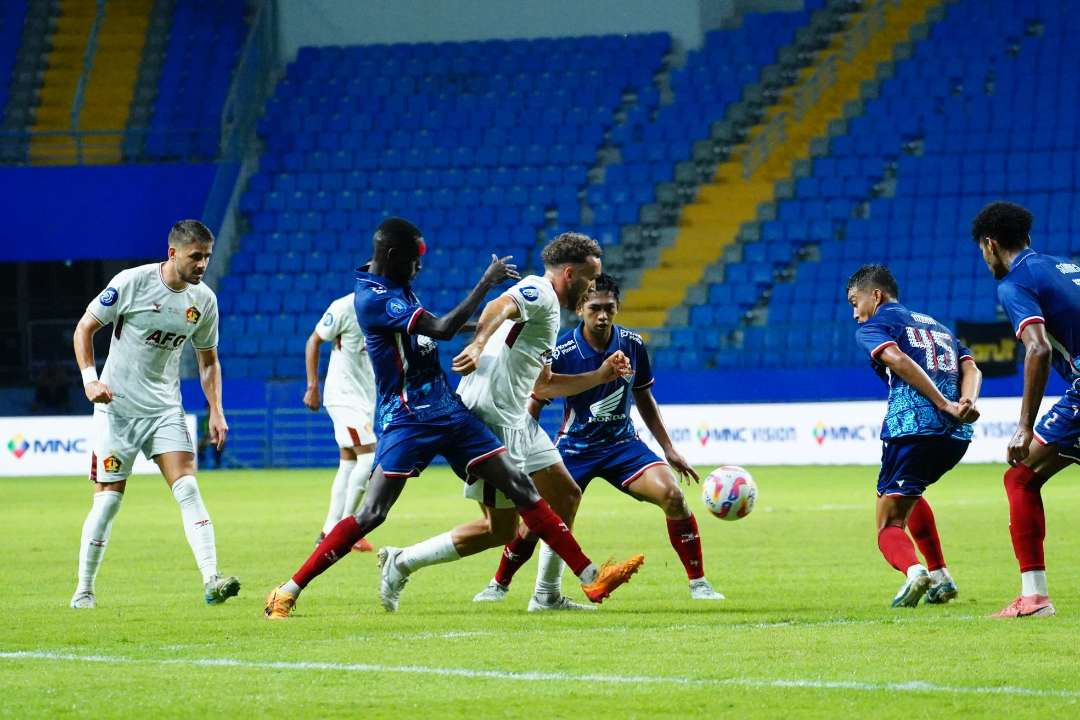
[(418, 416), (1041, 295), (598, 438), (933, 386)]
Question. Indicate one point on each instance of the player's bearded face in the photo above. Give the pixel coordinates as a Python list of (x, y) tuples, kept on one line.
[(191, 260), (992, 258), (580, 279)]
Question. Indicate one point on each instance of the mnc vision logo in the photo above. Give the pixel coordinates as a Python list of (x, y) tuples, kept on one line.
[(18, 445)]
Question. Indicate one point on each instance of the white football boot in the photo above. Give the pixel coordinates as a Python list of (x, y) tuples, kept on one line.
[(700, 589), (918, 582), (391, 580), (494, 592), (538, 604), (83, 600)]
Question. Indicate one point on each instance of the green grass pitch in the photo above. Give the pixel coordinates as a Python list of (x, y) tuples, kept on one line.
[(806, 629)]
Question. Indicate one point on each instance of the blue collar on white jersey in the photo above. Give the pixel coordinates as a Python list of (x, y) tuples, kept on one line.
[(587, 350)]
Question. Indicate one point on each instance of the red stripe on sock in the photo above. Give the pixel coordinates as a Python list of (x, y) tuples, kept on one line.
[(684, 537), (1027, 521), (923, 528), (897, 548), (543, 521), (334, 546), (516, 553)]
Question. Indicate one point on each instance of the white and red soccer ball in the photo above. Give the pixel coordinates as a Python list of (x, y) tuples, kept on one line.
[(729, 492)]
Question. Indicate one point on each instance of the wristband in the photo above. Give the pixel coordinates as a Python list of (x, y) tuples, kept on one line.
[(89, 375)]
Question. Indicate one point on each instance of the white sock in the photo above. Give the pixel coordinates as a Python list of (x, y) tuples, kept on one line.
[(357, 485), (337, 495), (95, 536), (914, 571), (940, 575), (433, 551), (549, 571), (197, 525), (1033, 582), (290, 587)]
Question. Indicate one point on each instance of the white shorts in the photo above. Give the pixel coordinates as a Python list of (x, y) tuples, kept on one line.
[(529, 448), (352, 427), (118, 439)]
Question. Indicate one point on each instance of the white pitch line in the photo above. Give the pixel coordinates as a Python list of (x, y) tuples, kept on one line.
[(796, 683)]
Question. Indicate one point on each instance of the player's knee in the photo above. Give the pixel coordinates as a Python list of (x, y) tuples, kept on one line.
[(673, 501), (371, 516), (186, 489)]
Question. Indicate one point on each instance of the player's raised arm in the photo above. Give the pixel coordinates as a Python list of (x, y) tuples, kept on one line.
[(495, 313), (96, 391), (650, 414), (552, 385), (1037, 353), (312, 398), (447, 326), (210, 379)]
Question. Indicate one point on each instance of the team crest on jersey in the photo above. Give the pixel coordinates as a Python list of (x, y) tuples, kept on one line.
[(192, 315), (112, 464), (529, 293), (396, 307), (109, 297), (328, 319)]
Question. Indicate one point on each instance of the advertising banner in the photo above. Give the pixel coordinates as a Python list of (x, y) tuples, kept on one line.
[(59, 445), (835, 433)]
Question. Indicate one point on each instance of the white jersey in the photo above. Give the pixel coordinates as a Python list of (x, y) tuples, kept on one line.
[(151, 322), (498, 391), (350, 381)]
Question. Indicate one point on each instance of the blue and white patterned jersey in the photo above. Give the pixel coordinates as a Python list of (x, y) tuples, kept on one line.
[(601, 415), (409, 380), (1046, 289), (934, 348)]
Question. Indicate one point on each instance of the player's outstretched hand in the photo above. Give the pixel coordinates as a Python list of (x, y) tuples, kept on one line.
[(467, 360), (312, 400), (678, 464), (500, 269), (98, 392), (968, 412), (1019, 444), (219, 430), (616, 365)]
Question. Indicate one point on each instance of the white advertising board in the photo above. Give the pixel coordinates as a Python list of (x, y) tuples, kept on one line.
[(834, 433), (55, 445)]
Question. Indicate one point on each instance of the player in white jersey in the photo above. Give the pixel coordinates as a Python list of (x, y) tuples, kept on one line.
[(154, 309), (509, 357), (349, 399)]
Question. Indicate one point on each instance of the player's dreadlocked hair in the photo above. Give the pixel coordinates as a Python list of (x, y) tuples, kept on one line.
[(1007, 223), (570, 248), (869, 277), (604, 283), (189, 231)]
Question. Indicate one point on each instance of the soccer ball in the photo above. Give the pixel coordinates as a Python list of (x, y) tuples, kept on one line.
[(729, 492)]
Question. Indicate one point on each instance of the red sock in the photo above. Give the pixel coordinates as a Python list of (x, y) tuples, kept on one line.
[(334, 546), (897, 548), (684, 537), (516, 553), (924, 530), (543, 521), (1027, 522)]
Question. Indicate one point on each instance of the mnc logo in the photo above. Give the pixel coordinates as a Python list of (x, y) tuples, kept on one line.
[(841, 433), (18, 445)]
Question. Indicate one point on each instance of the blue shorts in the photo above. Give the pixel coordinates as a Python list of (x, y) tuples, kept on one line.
[(1061, 425), (405, 448), (619, 464), (910, 464)]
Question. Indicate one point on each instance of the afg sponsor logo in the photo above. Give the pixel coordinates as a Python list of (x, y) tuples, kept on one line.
[(19, 446), (843, 433)]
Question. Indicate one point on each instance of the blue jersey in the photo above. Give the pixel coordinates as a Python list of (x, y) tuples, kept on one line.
[(1046, 289), (409, 381), (934, 348), (600, 415)]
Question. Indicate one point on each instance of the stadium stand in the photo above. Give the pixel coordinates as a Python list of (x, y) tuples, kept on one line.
[(954, 127), (12, 15)]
